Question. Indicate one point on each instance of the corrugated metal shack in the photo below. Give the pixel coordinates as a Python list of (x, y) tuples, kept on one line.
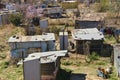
[(4, 16), (53, 11), (26, 1), (89, 20), (30, 44), (116, 58), (89, 39), (46, 64)]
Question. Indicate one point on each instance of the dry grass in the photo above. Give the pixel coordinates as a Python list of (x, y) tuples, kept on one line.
[(78, 65), (8, 71)]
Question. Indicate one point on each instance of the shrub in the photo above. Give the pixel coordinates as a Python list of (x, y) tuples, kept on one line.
[(103, 6), (15, 19), (55, 29), (101, 63), (66, 63), (92, 57), (2, 56), (4, 64), (69, 5)]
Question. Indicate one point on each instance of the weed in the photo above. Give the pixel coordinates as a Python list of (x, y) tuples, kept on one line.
[(15, 19), (66, 63), (100, 63), (55, 29), (113, 76), (4, 64), (2, 56), (92, 57), (77, 63)]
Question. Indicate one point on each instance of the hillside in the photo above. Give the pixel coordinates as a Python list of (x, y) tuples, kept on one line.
[(7, 70)]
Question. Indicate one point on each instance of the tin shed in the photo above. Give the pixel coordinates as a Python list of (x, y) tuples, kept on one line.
[(89, 39), (31, 44), (43, 65), (89, 20)]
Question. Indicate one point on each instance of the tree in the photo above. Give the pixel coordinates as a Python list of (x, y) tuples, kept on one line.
[(15, 19)]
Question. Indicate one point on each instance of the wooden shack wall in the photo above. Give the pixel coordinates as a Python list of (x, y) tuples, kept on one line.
[(48, 68), (95, 46), (86, 24)]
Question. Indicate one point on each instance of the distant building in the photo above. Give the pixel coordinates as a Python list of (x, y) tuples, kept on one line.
[(89, 40), (89, 20), (30, 44), (2, 6)]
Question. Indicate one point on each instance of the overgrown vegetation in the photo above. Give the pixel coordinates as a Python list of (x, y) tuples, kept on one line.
[(7, 70), (66, 63), (92, 57), (55, 29), (16, 19), (69, 5), (103, 6), (110, 39), (114, 76), (2, 56)]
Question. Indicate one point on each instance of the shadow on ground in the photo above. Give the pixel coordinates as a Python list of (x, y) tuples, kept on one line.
[(63, 75), (68, 75), (78, 76)]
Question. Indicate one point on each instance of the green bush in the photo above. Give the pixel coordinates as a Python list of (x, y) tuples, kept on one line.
[(15, 19), (92, 57), (103, 6), (69, 5), (2, 56), (66, 63), (101, 63), (4, 64), (55, 29)]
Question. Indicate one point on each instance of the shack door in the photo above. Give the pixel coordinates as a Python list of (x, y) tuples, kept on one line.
[(32, 69)]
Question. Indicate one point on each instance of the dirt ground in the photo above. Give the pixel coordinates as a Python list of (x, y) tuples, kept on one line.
[(82, 70)]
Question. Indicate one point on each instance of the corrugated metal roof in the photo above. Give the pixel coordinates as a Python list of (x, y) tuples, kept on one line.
[(46, 57), (44, 37), (87, 34)]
